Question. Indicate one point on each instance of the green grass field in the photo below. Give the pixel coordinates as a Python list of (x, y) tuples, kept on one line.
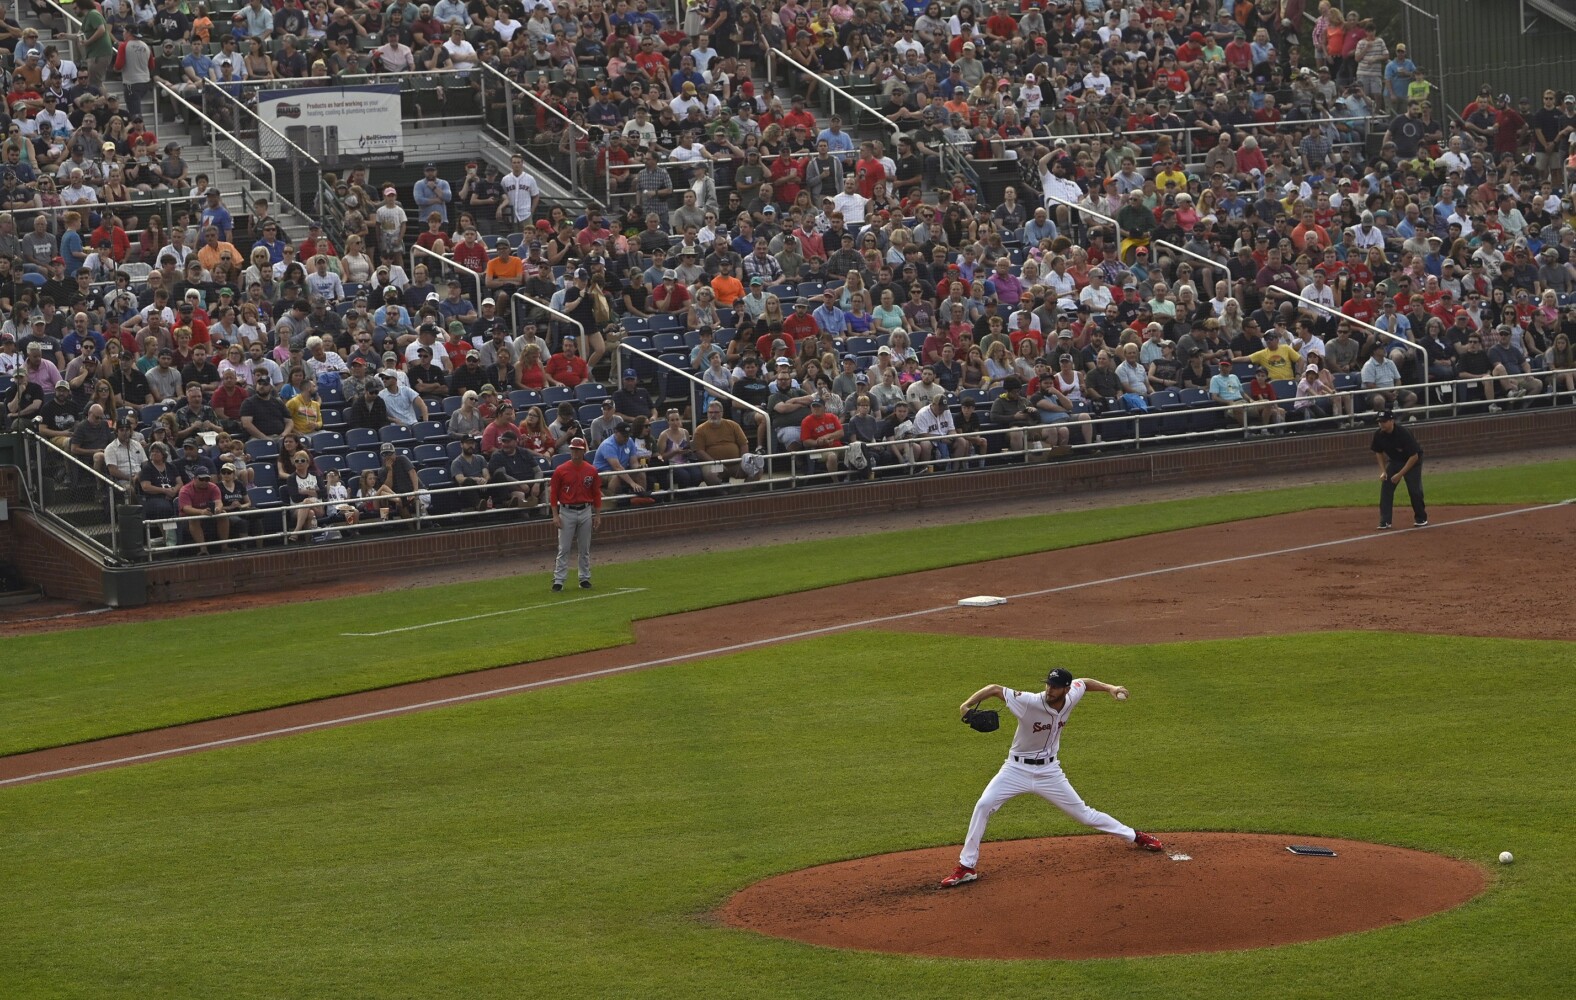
[(571, 842), (65, 687)]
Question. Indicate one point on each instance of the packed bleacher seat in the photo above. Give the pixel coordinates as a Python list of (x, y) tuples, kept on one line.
[(1032, 230)]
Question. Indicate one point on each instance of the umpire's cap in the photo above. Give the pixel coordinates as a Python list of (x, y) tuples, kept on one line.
[(1059, 678)]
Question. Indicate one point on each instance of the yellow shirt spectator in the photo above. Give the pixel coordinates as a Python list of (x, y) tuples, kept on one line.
[(1280, 361)]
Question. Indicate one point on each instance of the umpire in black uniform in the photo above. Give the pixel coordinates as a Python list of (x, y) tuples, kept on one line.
[(1399, 457)]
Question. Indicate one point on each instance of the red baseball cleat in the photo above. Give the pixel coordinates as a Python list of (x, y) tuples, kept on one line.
[(959, 875), (1147, 842)]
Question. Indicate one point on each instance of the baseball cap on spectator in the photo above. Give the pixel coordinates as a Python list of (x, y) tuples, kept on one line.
[(62, 384), (355, 362), (432, 297), (203, 472), (631, 373), (577, 443), (861, 379), (387, 448), (469, 355), (387, 373), (784, 363), (883, 349), (816, 400), (191, 443), (622, 427), (1224, 362), (488, 390), (582, 274), (489, 301), (757, 280), (1386, 415)]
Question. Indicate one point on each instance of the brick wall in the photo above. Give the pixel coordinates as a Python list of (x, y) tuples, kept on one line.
[(1262, 457)]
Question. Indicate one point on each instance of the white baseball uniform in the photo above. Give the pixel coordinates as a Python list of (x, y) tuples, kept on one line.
[(1031, 767)]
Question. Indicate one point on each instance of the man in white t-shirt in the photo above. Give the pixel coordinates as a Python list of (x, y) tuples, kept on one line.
[(851, 203), (519, 189), (1032, 767)]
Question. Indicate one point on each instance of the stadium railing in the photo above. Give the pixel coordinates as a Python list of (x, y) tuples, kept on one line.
[(241, 157), (558, 315), (569, 169), (102, 515), (447, 264), (1401, 342)]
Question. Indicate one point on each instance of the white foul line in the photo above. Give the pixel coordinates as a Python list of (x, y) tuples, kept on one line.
[(732, 648), (493, 614)]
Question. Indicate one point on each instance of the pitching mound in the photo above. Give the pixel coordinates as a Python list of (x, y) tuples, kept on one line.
[(1095, 897)]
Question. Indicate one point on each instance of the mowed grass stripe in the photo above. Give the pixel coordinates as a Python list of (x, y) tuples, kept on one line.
[(65, 687), (571, 842)]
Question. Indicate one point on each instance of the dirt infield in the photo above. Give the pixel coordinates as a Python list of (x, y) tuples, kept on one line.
[(1472, 572), (1096, 897)]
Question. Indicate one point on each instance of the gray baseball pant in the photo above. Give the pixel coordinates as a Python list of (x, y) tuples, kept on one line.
[(575, 523)]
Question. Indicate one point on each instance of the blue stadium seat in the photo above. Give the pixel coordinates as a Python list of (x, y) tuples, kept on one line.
[(333, 419), (524, 399), (326, 443), (452, 403), (587, 413), (331, 463), (591, 392), (430, 430), (359, 461), (331, 393), (667, 323), (152, 412), (432, 456), (663, 343), (638, 325), (262, 451), (553, 395), (264, 474), (394, 434), (361, 439)]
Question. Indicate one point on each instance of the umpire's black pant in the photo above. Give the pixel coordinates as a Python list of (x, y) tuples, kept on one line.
[(1414, 490)]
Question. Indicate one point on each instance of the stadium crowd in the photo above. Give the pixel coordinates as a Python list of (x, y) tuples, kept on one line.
[(947, 272)]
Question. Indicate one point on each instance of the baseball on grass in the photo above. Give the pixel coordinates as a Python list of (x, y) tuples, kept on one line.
[(1505, 857), (1121, 696)]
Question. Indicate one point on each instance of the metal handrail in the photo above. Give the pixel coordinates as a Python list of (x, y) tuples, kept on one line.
[(832, 87), (694, 379), (565, 317), (255, 117), (37, 443), (1089, 211), (1298, 296), (516, 85), (174, 95), (416, 248)]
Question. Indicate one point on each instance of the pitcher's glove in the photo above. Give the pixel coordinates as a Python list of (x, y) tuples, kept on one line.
[(982, 720)]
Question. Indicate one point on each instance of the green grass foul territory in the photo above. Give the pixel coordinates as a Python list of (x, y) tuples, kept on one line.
[(66, 687)]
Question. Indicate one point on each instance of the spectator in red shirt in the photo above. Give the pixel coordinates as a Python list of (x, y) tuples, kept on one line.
[(868, 170), (471, 252), (821, 429), (1001, 24), (434, 232), (798, 115), (799, 324), (227, 399), (670, 296), (502, 421), (567, 367), (198, 498)]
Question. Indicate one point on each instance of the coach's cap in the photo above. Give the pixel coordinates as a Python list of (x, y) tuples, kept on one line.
[(1059, 678), (387, 449), (1386, 415), (579, 443)]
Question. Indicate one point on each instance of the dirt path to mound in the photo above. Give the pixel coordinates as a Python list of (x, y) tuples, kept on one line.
[(1318, 570), (1096, 897)]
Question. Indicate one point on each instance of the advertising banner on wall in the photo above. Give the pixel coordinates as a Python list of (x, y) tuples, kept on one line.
[(334, 124)]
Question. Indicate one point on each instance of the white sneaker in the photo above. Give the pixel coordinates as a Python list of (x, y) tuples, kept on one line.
[(1516, 393), (1495, 408)]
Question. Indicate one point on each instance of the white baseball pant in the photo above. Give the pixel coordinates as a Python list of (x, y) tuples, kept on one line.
[(574, 532), (1049, 783)]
